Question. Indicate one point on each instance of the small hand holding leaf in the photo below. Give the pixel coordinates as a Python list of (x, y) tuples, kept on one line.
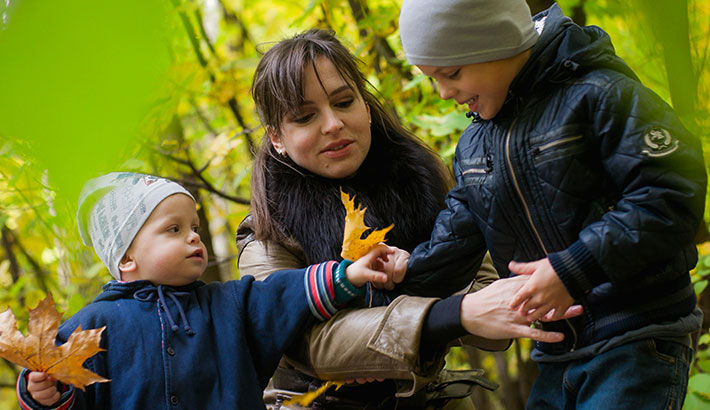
[(38, 351)]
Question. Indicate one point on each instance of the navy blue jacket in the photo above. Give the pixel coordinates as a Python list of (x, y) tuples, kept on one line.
[(583, 165), (226, 343)]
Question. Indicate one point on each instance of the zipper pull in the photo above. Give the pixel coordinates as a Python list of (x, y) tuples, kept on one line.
[(476, 117)]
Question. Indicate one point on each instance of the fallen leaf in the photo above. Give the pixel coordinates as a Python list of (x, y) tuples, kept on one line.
[(354, 246), (38, 351), (306, 399)]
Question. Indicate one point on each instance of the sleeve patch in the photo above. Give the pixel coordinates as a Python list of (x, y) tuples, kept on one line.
[(658, 142)]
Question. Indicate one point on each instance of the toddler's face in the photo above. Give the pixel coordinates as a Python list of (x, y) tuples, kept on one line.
[(481, 86), (167, 249)]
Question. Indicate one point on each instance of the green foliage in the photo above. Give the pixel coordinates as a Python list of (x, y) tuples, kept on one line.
[(78, 78), (163, 87)]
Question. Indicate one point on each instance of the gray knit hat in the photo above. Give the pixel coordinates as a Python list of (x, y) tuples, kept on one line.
[(447, 33), (114, 207)]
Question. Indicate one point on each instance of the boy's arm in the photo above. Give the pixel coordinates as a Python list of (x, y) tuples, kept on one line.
[(657, 167), (449, 261)]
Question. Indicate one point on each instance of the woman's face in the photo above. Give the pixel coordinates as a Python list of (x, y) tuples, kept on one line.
[(330, 133)]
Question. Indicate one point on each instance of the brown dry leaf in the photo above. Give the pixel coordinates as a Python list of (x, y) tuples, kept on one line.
[(353, 246), (38, 351)]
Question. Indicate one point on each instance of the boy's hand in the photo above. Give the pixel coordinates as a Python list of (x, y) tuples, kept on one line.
[(370, 268), (544, 295), (42, 388), (395, 266), (487, 313)]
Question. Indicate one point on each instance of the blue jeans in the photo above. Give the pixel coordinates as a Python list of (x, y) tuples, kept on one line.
[(645, 374)]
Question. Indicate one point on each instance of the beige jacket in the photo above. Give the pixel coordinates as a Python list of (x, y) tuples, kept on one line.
[(380, 342)]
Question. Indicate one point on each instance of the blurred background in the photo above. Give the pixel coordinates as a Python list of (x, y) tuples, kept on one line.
[(162, 87)]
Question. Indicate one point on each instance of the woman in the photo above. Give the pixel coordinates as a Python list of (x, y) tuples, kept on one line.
[(325, 131)]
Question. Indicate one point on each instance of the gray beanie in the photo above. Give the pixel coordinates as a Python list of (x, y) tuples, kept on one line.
[(114, 207), (447, 33)]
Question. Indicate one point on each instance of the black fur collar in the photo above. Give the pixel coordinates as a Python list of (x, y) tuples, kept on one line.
[(399, 185)]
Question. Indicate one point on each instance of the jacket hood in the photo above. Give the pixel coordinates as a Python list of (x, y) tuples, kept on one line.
[(115, 290), (564, 50)]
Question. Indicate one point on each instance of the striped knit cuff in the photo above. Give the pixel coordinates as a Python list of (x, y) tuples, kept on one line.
[(577, 269), (320, 290), (66, 400), (344, 290)]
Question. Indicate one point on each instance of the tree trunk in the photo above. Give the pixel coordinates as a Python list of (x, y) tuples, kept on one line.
[(480, 396), (674, 37), (509, 387)]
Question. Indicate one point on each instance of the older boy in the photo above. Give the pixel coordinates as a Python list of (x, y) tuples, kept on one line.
[(575, 168), (172, 341)]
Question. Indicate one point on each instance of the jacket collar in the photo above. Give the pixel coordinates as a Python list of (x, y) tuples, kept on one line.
[(563, 50), (114, 289)]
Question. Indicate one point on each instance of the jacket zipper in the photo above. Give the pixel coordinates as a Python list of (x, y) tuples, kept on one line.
[(551, 144), (525, 204), (517, 186), (474, 171)]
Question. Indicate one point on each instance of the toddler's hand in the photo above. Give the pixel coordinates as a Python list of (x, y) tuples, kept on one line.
[(544, 294), (370, 268), (395, 266), (42, 388)]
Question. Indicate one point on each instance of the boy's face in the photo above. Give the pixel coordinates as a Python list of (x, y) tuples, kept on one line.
[(167, 250), (481, 86)]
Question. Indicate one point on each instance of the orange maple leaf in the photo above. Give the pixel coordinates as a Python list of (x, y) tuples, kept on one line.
[(354, 246), (38, 351)]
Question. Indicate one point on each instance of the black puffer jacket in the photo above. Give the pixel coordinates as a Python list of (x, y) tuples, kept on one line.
[(588, 167)]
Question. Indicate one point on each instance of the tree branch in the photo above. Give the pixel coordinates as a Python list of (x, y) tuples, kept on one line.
[(202, 117), (6, 240), (195, 42), (381, 46), (198, 173), (232, 17)]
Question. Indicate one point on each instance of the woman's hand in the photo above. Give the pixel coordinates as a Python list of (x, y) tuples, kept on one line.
[(487, 313), (42, 388)]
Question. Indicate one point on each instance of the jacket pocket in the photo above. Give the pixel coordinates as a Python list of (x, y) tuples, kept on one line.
[(559, 143), (477, 170)]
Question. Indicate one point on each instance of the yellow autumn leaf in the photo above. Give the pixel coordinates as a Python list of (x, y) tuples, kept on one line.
[(38, 351), (354, 246), (306, 399)]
